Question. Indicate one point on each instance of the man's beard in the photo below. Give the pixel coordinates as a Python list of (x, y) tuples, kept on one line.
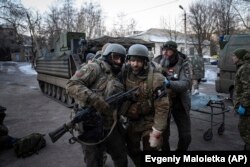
[(164, 62), (116, 68)]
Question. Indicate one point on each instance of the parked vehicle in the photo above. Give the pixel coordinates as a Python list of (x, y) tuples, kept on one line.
[(54, 68), (227, 69)]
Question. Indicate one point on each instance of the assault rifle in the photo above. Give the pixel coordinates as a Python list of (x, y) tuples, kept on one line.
[(85, 114)]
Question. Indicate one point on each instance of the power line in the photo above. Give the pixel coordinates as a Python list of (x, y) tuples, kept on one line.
[(157, 6)]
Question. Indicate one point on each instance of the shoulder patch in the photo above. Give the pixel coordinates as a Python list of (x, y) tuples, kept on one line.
[(79, 74)]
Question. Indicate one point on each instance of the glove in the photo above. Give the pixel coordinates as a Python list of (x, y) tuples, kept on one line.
[(241, 110), (166, 82), (100, 105), (155, 138)]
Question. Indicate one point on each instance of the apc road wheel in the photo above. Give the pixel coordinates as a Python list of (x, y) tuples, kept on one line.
[(221, 129), (41, 85), (49, 89), (54, 90), (69, 100), (208, 135), (58, 93), (45, 88), (63, 96)]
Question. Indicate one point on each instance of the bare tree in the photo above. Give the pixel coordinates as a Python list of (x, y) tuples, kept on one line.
[(226, 17), (37, 39), (67, 15), (242, 11), (122, 27), (52, 25), (89, 20), (172, 33), (202, 21), (13, 13)]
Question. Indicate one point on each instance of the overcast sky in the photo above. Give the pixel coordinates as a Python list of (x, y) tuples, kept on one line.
[(147, 13)]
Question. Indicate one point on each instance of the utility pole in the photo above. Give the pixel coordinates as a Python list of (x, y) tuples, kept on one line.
[(185, 27)]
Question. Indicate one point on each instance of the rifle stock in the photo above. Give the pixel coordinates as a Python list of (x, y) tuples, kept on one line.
[(58, 133)]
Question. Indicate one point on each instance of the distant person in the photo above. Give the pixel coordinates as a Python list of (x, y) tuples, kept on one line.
[(83, 49), (176, 69), (241, 58), (197, 71)]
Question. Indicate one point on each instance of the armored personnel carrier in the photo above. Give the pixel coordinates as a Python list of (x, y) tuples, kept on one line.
[(55, 67)]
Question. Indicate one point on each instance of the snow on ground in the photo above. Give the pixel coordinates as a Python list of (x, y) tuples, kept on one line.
[(27, 69), (210, 74)]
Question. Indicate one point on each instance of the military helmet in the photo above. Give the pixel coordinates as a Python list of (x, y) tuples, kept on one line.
[(170, 45), (138, 50), (240, 53), (105, 46), (114, 48)]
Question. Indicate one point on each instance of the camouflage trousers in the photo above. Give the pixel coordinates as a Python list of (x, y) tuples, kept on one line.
[(113, 145), (134, 139), (244, 129)]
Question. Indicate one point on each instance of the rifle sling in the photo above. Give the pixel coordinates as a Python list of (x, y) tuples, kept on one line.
[(92, 144)]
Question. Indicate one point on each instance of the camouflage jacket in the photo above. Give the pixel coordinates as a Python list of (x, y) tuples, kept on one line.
[(151, 107), (197, 67), (93, 80), (180, 80), (242, 83)]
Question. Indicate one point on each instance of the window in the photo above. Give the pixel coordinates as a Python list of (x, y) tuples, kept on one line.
[(191, 51)]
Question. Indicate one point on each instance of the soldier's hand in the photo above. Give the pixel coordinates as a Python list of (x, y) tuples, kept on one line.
[(155, 138), (101, 105), (241, 110)]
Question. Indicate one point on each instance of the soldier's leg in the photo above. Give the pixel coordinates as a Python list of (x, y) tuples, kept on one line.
[(244, 129), (133, 140), (94, 155), (115, 146), (182, 120)]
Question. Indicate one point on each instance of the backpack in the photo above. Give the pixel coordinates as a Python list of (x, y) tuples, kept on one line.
[(29, 145)]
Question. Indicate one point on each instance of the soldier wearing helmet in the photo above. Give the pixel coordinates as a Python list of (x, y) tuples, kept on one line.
[(241, 58), (89, 86), (176, 69), (147, 110)]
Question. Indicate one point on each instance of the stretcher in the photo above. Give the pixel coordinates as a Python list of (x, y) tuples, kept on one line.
[(213, 106)]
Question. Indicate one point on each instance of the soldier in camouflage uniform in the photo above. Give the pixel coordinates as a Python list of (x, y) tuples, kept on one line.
[(90, 85), (241, 58), (176, 69), (148, 110), (197, 71)]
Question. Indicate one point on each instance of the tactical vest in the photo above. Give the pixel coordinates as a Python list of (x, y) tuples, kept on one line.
[(143, 101), (106, 85)]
